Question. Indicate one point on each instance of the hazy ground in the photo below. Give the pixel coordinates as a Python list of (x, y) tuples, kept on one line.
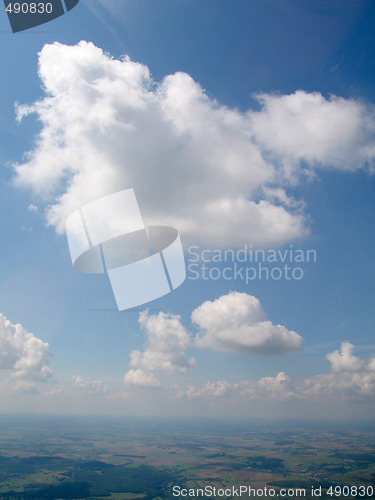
[(84, 458)]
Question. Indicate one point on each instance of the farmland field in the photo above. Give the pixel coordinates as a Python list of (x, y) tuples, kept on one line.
[(89, 458)]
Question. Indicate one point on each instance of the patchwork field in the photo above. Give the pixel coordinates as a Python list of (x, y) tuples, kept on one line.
[(57, 458)]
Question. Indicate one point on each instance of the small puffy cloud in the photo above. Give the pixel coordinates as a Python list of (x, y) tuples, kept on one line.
[(279, 388), (276, 387), (210, 390), (167, 340), (267, 388), (354, 379), (237, 323), (89, 386), (351, 377), (141, 378), (344, 360), (106, 126), (21, 353), (32, 208)]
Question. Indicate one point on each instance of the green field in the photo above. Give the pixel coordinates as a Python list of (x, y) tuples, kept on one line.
[(57, 458)]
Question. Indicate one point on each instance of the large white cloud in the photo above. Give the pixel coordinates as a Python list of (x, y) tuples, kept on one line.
[(21, 353), (164, 353), (210, 171), (237, 322)]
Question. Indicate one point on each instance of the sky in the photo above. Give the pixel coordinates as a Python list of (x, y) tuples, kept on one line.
[(247, 126)]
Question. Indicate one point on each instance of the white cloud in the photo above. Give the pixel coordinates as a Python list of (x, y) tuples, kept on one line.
[(141, 378), (371, 365), (279, 388), (333, 132), (353, 380), (21, 353), (344, 360), (83, 389), (210, 390), (351, 377), (234, 322), (214, 173), (267, 388), (164, 354), (237, 322), (89, 386), (346, 384), (276, 387), (32, 208)]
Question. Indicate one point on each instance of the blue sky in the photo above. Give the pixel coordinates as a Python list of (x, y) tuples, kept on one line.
[(224, 166)]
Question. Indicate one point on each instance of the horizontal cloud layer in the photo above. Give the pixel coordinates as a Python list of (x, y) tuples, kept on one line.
[(355, 379), (267, 388), (215, 173)]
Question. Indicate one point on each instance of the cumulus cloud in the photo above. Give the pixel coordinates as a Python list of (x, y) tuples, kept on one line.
[(237, 323), (210, 390), (167, 340), (353, 380), (141, 378), (344, 360), (22, 354), (267, 388), (352, 376), (332, 132), (276, 387), (89, 386), (346, 384), (217, 174)]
